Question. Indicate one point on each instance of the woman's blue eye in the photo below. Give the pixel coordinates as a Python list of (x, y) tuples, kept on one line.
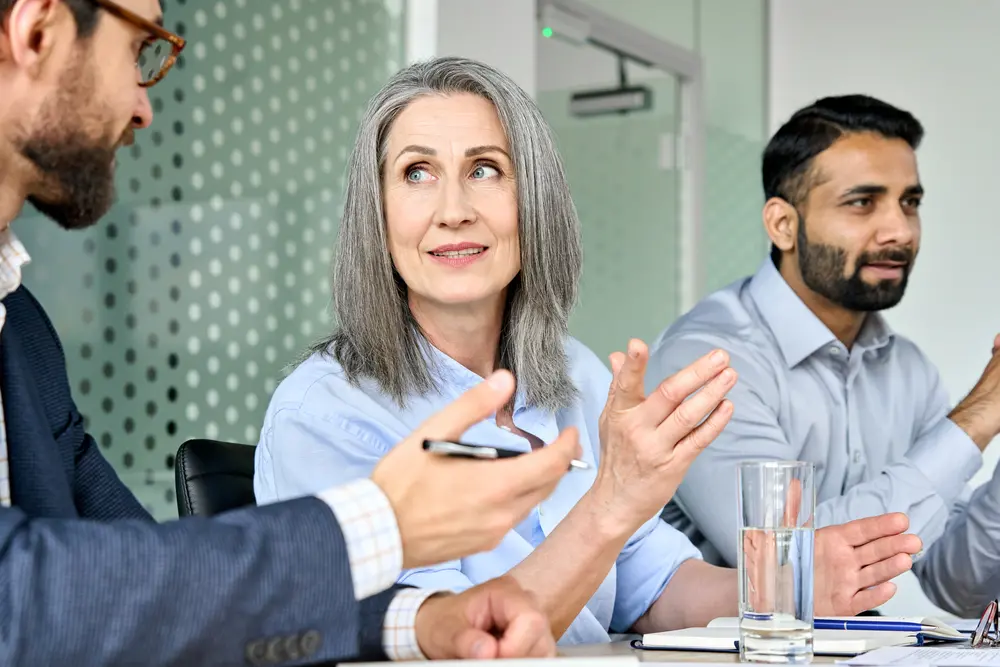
[(484, 171), (416, 175)]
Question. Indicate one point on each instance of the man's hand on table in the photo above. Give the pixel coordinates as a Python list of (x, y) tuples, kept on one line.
[(855, 563), (497, 619)]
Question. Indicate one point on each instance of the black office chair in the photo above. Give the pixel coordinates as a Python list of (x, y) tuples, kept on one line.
[(213, 477)]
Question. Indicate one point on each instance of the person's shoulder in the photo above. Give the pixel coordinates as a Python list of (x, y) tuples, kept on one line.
[(908, 349), (722, 317), (318, 385), (585, 367), (726, 320), (26, 313), (909, 359), (590, 375), (317, 395), (37, 339), (22, 299)]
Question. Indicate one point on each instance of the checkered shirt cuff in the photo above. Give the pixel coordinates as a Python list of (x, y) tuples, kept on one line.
[(399, 631), (374, 547)]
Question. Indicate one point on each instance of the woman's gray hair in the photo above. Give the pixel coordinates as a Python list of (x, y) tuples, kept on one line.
[(377, 336)]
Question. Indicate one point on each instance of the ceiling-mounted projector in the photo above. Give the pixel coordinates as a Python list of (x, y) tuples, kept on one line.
[(613, 100)]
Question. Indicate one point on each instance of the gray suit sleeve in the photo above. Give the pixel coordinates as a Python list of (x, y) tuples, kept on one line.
[(960, 572), (268, 585)]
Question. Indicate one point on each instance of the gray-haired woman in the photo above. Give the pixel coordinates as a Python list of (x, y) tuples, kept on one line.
[(459, 254)]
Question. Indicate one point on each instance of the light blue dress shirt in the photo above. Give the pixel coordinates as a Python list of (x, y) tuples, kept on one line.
[(321, 431), (873, 419)]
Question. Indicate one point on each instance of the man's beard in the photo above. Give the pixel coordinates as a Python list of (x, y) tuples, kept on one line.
[(823, 266), (77, 183)]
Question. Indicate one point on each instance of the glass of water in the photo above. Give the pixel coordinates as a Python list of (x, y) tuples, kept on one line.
[(776, 501)]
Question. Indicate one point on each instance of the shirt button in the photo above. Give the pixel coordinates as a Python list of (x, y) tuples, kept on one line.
[(835, 351), (857, 457)]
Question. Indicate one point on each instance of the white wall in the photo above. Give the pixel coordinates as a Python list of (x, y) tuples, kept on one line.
[(501, 34), (941, 61)]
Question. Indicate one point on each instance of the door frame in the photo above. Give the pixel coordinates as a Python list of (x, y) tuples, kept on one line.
[(686, 66)]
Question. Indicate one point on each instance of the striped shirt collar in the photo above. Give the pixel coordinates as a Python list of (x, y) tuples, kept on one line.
[(13, 256)]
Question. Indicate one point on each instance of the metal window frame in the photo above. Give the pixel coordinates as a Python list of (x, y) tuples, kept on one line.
[(687, 67)]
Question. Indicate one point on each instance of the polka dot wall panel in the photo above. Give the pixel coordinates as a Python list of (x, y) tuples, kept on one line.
[(185, 306)]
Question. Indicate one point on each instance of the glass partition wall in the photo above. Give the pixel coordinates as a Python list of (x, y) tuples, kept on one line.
[(182, 309), (626, 167)]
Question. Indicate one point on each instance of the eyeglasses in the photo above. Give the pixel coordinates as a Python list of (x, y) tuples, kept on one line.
[(160, 50), (988, 630)]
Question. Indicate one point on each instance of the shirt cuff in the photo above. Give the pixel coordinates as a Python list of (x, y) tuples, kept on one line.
[(374, 547), (399, 631), (948, 458)]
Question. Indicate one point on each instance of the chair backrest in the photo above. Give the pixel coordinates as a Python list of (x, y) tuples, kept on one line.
[(213, 477)]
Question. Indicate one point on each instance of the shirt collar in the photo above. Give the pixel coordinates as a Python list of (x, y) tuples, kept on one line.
[(451, 374), (875, 333), (13, 256), (797, 330)]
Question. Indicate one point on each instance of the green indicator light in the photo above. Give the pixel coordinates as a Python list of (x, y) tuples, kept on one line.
[(546, 32)]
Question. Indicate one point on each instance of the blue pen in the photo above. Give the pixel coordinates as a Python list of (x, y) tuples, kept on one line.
[(887, 626)]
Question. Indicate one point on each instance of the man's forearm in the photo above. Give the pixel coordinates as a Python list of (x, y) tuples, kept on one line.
[(960, 572), (974, 420), (697, 593), (978, 414), (565, 570)]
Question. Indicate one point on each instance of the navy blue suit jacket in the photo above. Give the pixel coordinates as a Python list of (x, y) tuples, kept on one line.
[(88, 578)]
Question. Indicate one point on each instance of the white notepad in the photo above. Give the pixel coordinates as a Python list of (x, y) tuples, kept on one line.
[(825, 642)]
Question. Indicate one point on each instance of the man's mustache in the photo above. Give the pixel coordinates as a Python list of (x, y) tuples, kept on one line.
[(128, 138), (898, 255)]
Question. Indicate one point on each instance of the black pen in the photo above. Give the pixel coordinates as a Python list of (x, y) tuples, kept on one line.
[(484, 452)]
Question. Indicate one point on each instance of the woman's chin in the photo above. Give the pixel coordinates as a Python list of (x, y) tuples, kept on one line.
[(465, 298)]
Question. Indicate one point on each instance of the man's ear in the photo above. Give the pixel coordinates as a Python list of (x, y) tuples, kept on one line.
[(781, 221), (30, 32)]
